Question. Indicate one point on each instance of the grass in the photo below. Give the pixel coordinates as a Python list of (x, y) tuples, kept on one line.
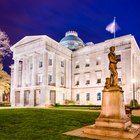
[(135, 119), (42, 124)]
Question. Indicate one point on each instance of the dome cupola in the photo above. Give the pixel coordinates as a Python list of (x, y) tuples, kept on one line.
[(72, 41)]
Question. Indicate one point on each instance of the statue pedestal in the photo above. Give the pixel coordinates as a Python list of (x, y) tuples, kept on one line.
[(113, 121)]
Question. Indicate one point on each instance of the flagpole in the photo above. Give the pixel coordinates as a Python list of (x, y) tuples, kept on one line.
[(114, 27)]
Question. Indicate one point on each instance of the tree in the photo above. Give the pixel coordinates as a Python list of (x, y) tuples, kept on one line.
[(4, 77), (4, 45)]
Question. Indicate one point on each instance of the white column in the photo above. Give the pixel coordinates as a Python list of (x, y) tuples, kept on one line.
[(54, 68), (31, 98), (23, 72), (16, 72), (44, 94), (45, 68), (57, 72), (22, 98), (34, 67), (67, 74), (15, 82), (27, 72), (12, 97), (47, 97)]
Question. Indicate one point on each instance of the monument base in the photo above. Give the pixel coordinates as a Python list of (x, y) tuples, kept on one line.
[(130, 132), (103, 133), (113, 121)]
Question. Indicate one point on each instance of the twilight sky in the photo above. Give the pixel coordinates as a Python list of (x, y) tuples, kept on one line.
[(19, 18)]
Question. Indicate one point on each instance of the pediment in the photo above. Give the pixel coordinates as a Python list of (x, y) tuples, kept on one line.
[(26, 40)]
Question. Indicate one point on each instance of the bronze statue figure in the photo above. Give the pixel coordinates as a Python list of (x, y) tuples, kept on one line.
[(113, 67)]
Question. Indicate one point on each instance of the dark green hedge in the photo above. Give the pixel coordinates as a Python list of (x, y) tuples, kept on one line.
[(58, 105), (4, 104)]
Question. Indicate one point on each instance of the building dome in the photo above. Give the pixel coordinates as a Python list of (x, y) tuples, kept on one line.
[(72, 41)]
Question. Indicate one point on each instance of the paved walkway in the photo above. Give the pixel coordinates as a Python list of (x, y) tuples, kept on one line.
[(136, 112)]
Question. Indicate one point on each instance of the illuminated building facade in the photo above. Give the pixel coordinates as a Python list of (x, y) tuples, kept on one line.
[(46, 72)]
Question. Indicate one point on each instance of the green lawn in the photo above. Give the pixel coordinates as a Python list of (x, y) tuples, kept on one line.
[(44, 124)]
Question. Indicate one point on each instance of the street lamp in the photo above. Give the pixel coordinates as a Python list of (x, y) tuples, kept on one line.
[(133, 102)]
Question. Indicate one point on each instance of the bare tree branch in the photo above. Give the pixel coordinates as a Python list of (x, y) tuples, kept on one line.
[(4, 45)]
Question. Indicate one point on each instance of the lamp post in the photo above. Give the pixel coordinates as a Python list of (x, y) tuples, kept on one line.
[(133, 102)]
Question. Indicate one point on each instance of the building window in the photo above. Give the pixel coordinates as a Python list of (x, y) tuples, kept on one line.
[(62, 63), (77, 83), (77, 66), (18, 85), (31, 66), (98, 61), (118, 58), (39, 80), (87, 82), (98, 96), (50, 62), (77, 97), (26, 97), (87, 96), (20, 65), (119, 79), (62, 80), (87, 65), (40, 64), (49, 79), (98, 81)]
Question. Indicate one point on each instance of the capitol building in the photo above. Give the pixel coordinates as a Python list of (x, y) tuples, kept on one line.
[(46, 72)]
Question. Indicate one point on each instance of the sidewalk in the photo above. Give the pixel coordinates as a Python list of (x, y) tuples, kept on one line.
[(136, 112)]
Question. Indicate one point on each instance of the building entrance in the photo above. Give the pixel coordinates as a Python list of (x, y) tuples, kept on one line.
[(52, 97), (26, 97), (37, 97)]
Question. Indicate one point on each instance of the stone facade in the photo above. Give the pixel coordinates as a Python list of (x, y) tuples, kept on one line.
[(96, 59), (41, 67), (45, 72)]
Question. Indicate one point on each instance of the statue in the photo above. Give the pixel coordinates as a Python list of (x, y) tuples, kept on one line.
[(107, 83), (112, 121), (113, 80)]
